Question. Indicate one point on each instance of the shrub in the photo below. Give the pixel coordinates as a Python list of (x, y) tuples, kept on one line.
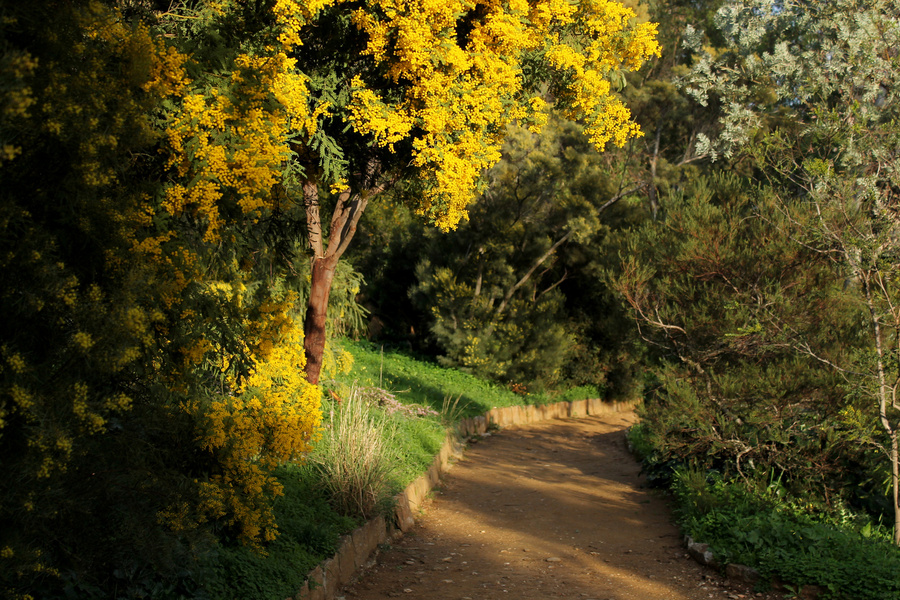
[(781, 538), (309, 531), (582, 392)]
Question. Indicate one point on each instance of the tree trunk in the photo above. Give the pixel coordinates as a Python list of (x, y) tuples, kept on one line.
[(895, 482), (316, 312), (884, 396), (348, 209)]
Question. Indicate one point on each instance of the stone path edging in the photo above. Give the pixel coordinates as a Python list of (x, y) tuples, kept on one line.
[(359, 548), (702, 554)]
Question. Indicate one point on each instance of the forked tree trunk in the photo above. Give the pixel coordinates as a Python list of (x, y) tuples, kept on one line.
[(347, 211)]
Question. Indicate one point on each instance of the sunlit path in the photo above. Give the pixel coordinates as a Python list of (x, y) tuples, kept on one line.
[(551, 510)]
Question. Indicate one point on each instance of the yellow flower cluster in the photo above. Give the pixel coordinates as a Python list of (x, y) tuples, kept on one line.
[(71, 101), (92, 421), (82, 340), (227, 146), (273, 420), (16, 97), (60, 415), (460, 94), (13, 359), (292, 15), (195, 352), (273, 322)]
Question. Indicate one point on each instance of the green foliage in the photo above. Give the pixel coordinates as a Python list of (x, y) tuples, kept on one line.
[(309, 532), (850, 558), (503, 295), (543, 186), (718, 292), (809, 96), (583, 392), (387, 246)]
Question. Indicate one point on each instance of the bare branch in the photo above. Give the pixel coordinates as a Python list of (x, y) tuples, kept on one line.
[(313, 219), (509, 294), (561, 279)]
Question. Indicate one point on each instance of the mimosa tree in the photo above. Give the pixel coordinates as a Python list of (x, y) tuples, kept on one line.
[(158, 165), (418, 94)]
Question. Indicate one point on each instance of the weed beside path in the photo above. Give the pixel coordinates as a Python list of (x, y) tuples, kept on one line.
[(549, 510)]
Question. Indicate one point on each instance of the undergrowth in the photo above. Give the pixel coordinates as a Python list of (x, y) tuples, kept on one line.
[(847, 554), (309, 530)]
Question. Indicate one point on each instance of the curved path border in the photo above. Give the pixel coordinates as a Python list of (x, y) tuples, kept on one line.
[(358, 548)]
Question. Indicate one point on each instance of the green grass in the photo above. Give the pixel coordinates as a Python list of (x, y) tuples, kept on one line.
[(415, 445), (425, 383)]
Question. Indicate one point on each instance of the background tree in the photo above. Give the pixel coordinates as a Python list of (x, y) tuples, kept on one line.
[(494, 289), (641, 171), (808, 94), (833, 143), (724, 298)]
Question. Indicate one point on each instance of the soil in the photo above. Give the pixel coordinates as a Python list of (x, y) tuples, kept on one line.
[(549, 510)]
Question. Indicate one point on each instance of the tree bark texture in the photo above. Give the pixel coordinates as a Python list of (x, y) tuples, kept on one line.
[(316, 315)]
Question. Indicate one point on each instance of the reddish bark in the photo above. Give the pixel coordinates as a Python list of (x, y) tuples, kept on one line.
[(347, 212), (316, 314)]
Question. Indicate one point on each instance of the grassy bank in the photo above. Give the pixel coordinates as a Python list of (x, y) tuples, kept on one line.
[(426, 383), (406, 405)]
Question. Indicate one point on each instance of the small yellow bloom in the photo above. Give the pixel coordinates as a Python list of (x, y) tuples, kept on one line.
[(83, 340)]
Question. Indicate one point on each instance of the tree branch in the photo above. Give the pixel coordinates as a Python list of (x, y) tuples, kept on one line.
[(561, 279), (509, 294), (313, 218)]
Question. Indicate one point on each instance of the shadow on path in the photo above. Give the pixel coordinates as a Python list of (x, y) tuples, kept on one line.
[(547, 510)]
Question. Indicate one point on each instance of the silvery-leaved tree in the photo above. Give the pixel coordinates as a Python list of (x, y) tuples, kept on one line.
[(810, 91)]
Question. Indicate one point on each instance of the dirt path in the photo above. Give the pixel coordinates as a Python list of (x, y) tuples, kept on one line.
[(549, 510)]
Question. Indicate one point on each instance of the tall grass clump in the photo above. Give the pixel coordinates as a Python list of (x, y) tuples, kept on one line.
[(451, 412), (354, 459)]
